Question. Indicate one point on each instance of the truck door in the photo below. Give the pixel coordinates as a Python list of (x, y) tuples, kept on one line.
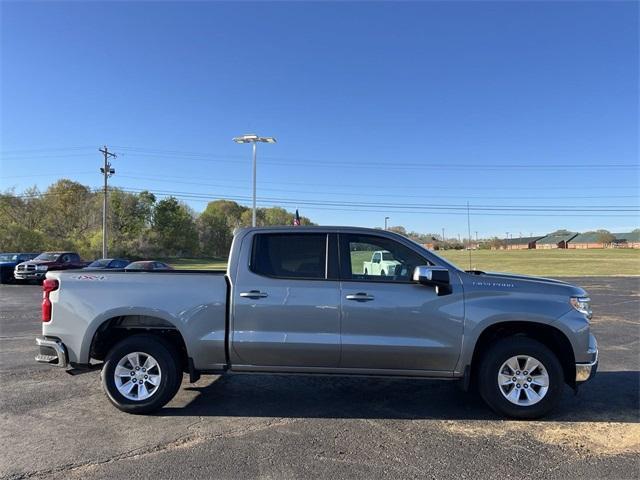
[(389, 322), (285, 302)]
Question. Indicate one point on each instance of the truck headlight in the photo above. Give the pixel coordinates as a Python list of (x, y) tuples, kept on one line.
[(583, 305), (42, 268)]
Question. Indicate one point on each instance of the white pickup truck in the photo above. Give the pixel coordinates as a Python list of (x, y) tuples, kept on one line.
[(294, 300), (382, 263)]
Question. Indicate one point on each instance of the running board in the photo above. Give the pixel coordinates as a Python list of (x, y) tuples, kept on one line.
[(84, 369)]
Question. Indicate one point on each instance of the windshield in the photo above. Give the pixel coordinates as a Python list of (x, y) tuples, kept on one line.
[(48, 257), (8, 257), (100, 263)]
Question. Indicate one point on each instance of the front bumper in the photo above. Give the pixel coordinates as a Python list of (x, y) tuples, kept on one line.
[(51, 351), (586, 371), (29, 275)]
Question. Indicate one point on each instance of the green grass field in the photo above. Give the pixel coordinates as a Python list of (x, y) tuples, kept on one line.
[(197, 263), (553, 263)]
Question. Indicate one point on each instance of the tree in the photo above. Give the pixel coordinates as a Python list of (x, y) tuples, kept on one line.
[(130, 214), (174, 228), (605, 237), (69, 216), (276, 216)]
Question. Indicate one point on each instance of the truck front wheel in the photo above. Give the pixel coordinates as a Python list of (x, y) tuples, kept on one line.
[(141, 374), (520, 378)]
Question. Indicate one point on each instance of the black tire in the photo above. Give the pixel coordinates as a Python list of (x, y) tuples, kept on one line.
[(366, 272), (382, 274), (489, 369), (171, 373)]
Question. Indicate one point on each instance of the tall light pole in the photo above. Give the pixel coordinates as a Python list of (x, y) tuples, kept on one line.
[(253, 140), (385, 222), (106, 171)]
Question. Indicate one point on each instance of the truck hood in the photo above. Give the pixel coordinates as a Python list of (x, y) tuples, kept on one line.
[(527, 281)]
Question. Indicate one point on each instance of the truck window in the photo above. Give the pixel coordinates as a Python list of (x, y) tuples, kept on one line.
[(395, 262), (284, 255)]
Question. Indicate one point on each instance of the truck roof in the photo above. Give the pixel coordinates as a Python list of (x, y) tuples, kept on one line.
[(314, 228)]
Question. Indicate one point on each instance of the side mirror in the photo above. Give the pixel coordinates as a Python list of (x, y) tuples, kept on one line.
[(433, 276)]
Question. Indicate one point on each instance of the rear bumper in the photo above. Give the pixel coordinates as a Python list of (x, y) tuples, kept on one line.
[(52, 351), (586, 371)]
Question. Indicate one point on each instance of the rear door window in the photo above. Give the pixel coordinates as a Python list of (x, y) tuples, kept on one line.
[(287, 255)]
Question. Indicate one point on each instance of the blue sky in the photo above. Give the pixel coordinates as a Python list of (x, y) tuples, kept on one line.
[(406, 110)]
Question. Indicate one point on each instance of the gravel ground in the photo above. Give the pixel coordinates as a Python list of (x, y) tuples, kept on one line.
[(247, 426)]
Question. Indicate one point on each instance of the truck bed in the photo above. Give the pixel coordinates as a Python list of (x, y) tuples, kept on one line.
[(193, 301)]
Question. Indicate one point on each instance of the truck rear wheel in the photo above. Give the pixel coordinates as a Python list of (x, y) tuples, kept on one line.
[(141, 374), (520, 378)]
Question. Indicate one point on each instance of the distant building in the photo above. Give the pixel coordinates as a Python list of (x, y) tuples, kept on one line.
[(627, 240), (520, 243), (431, 244), (556, 240), (586, 240), (621, 240)]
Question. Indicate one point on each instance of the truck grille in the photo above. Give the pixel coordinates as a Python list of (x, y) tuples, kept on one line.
[(27, 268)]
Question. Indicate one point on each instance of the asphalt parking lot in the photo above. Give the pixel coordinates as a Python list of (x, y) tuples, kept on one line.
[(245, 426)]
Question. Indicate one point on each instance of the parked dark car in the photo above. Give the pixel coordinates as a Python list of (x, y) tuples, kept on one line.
[(37, 268), (8, 262), (148, 265), (108, 264)]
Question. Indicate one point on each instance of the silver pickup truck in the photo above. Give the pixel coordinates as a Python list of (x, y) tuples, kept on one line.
[(297, 300)]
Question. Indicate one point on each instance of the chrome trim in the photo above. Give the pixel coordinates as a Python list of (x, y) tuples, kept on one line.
[(58, 347), (583, 370)]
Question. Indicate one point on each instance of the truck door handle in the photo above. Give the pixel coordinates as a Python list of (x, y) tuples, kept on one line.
[(360, 297), (253, 294)]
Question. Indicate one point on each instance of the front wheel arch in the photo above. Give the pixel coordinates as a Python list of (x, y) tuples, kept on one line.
[(550, 336)]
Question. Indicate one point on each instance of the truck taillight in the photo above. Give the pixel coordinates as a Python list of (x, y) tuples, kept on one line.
[(48, 286)]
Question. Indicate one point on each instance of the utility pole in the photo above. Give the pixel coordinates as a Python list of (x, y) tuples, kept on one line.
[(476, 236), (506, 241), (443, 234), (385, 222), (106, 171)]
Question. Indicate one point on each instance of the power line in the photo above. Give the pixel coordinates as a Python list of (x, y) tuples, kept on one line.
[(436, 206), (322, 206), (351, 193), (389, 164)]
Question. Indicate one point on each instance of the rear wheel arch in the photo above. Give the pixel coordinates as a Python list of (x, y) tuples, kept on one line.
[(117, 328), (548, 335)]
